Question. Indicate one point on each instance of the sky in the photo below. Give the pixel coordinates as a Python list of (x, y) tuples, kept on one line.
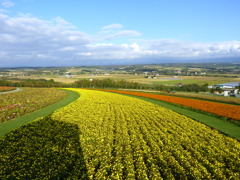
[(106, 32)]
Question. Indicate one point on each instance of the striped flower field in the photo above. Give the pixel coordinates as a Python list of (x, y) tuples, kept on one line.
[(106, 135), (16, 104), (224, 110), (127, 138)]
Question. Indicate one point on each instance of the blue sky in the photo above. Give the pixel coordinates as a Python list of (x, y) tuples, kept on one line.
[(93, 32)]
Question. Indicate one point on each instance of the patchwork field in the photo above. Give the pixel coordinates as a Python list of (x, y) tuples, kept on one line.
[(104, 135), (140, 78), (31, 99)]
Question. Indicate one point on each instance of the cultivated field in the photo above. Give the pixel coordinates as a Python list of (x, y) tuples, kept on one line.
[(229, 111), (16, 104), (131, 139), (105, 135), (140, 78)]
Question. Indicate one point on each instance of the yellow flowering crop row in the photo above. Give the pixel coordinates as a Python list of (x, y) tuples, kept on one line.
[(42, 149), (127, 138)]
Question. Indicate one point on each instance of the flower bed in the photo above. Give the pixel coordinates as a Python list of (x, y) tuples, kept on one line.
[(224, 110), (6, 88), (16, 104)]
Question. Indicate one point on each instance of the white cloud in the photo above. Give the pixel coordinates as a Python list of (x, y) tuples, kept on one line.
[(134, 48), (60, 22), (188, 49), (113, 26), (100, 45), (3, 11), (7, 3), (68, 48), (118, 34), (30, 41), (85, 54)]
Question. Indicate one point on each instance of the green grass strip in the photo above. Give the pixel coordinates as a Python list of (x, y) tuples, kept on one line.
[(15, 123), (223, 126)]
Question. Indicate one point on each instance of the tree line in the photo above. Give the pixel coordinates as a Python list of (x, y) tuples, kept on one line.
[(31, 83), (107, 83), (103, 83)]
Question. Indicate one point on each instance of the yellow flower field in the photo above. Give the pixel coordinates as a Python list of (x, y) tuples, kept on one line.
[(128, 138)]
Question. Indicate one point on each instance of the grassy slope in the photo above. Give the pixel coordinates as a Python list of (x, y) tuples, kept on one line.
[(15, 123), (219, 124)]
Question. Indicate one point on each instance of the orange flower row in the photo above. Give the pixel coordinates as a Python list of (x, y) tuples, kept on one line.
[(6, 88), (224, 110)]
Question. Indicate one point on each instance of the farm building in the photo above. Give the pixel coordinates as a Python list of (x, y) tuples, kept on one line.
[(230, 85)]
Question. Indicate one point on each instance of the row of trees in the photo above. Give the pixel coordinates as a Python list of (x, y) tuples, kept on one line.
[(31, 83), (110, 83), (104, 83), (186, 88), (107, 83)]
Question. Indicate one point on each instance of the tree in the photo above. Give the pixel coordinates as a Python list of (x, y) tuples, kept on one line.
[(220, 90)]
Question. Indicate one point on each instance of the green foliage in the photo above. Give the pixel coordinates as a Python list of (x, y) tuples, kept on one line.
[(43, 149), (219, 89), (31, 83), (187, 85), (106, 83), (110, 83), (185, 88)]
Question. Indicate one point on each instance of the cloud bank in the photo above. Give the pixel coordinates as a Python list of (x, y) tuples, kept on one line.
[(113, 26), (30, 41), (7, 3)]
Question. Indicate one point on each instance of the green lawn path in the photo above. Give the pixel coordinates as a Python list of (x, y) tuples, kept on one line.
[(221, 125), (15, 123)]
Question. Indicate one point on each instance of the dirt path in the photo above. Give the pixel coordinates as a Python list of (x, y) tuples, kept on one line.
[(16, 90)]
